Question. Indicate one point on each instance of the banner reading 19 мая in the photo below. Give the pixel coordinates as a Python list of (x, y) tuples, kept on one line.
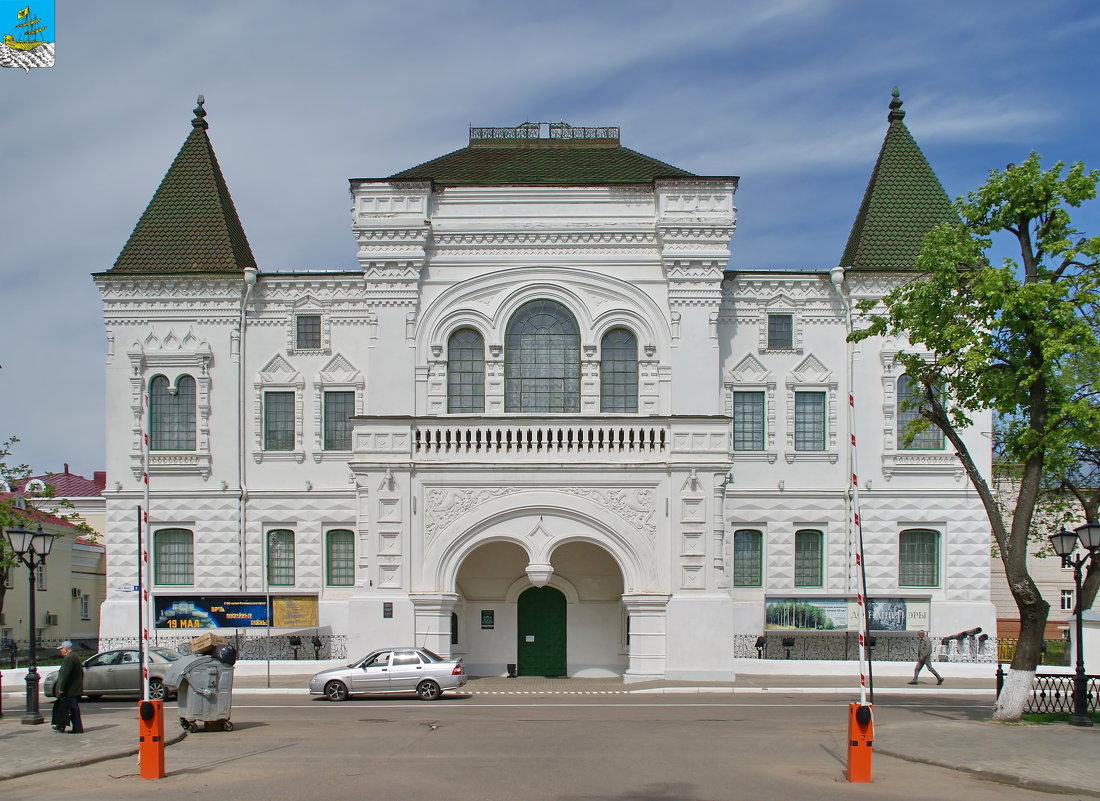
[(210, 612)]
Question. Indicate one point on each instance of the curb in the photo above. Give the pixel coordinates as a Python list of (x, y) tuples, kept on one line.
[(89, 760), (995, 776)]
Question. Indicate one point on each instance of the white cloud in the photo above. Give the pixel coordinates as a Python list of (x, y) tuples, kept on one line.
[(789, 95)]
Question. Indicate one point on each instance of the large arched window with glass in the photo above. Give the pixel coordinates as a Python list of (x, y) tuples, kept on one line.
[(542, 360), (619, 372), (909, 400), (465, 372), (172, 414)]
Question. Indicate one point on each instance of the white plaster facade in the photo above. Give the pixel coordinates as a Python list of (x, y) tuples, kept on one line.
[(629, 516)]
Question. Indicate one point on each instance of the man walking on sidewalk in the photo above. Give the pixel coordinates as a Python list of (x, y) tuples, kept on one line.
[(924, 657), (70, 686)]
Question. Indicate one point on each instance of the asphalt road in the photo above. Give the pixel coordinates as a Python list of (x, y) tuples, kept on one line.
[(598, 748)]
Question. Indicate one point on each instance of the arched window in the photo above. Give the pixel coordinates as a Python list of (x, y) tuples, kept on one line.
[(618, 371), (465, 372), (280, 557), (340, 558), (909, 400), (542, 360), (808, 558), (174, 556), (919, 558), (172, 414), (748, 557)]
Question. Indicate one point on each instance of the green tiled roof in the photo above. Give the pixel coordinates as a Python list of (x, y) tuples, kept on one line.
[(588, 156), (903, 202), (190, 224)]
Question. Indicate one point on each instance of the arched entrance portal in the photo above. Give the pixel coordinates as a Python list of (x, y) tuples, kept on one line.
[(576, 621), (542, 632)]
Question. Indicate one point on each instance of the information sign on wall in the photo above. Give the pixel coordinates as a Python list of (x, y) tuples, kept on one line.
[(842, 614), (234, 611)]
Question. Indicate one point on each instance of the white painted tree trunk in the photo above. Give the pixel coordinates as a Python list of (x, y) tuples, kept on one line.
[(1014, 694)]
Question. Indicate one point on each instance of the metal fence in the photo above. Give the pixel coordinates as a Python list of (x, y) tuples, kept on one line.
[(260, 647), (882, 646), (1054, 652), (1053, 692)]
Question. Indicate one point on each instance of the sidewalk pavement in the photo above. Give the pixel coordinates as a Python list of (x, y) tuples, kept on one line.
[(1052, 757)]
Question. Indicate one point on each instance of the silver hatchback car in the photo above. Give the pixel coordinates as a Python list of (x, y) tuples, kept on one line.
[(391, 670)]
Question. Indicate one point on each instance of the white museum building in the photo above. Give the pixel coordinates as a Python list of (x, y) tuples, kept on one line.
[(543, 424)]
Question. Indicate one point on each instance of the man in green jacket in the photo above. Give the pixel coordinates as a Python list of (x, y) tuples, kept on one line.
[(70, 685)]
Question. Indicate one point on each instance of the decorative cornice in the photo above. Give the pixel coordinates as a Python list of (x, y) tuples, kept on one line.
[(546, 238)]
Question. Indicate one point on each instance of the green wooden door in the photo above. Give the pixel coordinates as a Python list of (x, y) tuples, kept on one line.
[(541, 617)]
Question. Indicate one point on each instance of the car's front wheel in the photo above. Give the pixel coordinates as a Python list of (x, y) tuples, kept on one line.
[(156, 690), (336, 691), (428, 690)]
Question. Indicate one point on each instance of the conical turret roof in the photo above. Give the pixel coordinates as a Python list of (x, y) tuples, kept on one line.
[(191, 223), (903, 202)]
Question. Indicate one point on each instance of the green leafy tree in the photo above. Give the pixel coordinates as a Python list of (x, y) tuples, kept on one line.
[(1010, 339)]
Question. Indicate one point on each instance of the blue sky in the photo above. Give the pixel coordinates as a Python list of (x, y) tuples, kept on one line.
[(790, 95)]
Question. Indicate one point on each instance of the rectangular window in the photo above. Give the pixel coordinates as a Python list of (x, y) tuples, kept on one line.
[(173, 556), (748, 421), (809, 421), (278, 421), (807, 558), (85, 607), (339, 409), (1067, 562), (340, 558), (309, 332), (748, 558), (919, 558), (780, 331), (280, 558), (40, 578), (1067, 600)]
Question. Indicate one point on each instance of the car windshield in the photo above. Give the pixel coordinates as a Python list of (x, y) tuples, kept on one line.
[(163, 653), (432, 656)]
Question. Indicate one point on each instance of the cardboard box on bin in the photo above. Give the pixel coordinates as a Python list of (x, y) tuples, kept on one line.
[(204, 643)]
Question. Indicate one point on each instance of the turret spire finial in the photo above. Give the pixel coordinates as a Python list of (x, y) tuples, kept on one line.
[(896, 114), (200, 112)]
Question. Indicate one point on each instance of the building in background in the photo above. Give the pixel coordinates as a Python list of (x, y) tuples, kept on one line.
[(75, 498), (69, 588), (542, 424)]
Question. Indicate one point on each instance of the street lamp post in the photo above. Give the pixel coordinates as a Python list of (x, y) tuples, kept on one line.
[(31, 548), (1065, 543)]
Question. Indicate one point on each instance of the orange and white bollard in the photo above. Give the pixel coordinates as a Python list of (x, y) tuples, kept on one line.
[(861, 735), (151, 739)]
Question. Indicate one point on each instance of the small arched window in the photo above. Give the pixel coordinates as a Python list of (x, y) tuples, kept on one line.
[(919, 558), (174, 556), (808, 558), (908, 413), (280, 557), (748, 557), (542, 360), (172, 414), (465, 372), (619, 372), (340, 558)]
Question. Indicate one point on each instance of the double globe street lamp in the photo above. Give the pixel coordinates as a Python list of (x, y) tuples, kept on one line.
[(31, 548), (1065, 543)]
